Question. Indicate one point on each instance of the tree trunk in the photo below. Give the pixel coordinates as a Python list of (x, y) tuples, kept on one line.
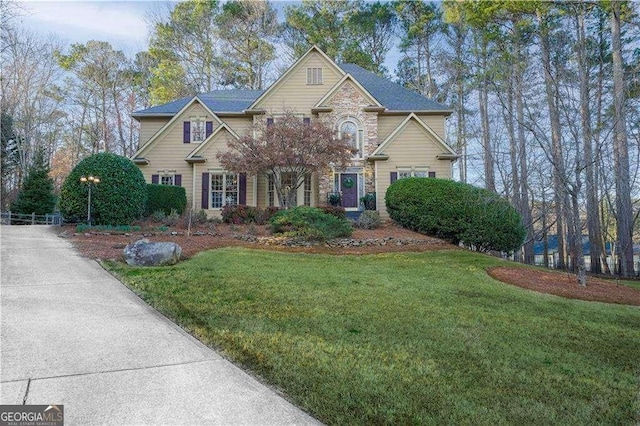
[(483, 103), (624, 211), (525, 210), (594, 228)]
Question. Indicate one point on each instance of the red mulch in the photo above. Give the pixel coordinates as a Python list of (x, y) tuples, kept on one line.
[(566, 285), (104, 245)]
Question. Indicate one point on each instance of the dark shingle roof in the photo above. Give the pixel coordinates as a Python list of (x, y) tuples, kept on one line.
[(234, 100), (391, 95)]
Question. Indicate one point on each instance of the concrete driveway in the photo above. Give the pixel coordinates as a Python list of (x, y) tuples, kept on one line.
[(72, 334)]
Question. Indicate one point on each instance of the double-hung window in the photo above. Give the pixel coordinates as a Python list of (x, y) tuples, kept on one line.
[(167, 180), (402, 174), (198, 129), (415, 172), (224, 190)]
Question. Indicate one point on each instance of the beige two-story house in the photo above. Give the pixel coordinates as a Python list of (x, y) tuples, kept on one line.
[(395, 133)]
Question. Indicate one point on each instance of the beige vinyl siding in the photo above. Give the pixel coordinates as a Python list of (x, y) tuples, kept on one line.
[(240, 125), (294, 93), (168, 152), (262, 191), (150, 126), (435, 122), (412, 147), (217, 144), (173, 136), (388, 123)]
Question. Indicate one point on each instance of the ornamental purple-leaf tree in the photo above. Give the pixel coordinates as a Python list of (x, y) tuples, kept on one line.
[(287, 149)]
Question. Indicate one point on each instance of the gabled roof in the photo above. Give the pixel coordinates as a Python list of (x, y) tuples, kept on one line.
[(283, 77), (218, 101), (174, 118), (393, 96), (347, 77), (390, 95), (451, 154), (203, 145)]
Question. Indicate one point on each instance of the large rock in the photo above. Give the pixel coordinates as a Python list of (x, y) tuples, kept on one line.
[(144, 253)]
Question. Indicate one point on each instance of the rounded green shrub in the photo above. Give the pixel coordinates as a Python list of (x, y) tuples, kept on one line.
[(118, 199), (456, 212), (309, 223)]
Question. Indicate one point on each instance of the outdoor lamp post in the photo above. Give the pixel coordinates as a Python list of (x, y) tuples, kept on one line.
[(90, 181)]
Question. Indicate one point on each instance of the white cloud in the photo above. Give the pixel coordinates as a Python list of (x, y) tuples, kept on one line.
[(121, 23)]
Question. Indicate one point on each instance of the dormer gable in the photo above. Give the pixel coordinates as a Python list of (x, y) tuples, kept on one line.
[(302, 85), (324, 103), (194, 110), (447, 152)]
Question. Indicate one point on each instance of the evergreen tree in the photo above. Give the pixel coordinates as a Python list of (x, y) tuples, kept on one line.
[(36, 195), (8, 157)]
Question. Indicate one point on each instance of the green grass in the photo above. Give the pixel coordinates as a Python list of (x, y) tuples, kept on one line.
[(405, 338)]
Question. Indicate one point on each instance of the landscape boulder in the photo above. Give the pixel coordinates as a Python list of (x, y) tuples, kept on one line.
[(144, 253)]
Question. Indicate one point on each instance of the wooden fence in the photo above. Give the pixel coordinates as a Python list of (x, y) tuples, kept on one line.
[(9, 218)]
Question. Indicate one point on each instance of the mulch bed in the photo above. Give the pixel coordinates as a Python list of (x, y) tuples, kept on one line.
[(566, 285), (109, 246)]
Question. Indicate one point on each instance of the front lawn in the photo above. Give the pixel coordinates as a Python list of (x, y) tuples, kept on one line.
[(422, 338)]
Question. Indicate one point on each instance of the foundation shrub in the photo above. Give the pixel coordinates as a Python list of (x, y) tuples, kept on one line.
[(455, 212), (310, 224)]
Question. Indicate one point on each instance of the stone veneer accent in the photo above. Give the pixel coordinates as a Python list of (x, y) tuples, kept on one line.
[(349, 102)]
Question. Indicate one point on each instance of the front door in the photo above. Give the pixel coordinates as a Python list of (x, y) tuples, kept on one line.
[(349, 188)]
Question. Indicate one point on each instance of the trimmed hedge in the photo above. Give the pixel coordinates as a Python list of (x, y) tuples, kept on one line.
[(165, 198), (309, 223), (456, 212), (119, 198)]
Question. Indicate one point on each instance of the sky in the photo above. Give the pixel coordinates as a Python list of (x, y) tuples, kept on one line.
[(122, 23)]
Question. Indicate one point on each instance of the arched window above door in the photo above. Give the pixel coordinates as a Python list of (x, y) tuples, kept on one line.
[(350, 130)]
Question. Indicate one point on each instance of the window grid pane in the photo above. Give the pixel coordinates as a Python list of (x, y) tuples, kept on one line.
[(271, 188), (197, 130), (217, 190), (166, 180), (307, 191), (231, 189)]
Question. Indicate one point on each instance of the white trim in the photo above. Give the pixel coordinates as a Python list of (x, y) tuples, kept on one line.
[(359, 177), (224, 175), (193, 188), (164, 128), (401, 126), (375, 184), (254, 196)]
